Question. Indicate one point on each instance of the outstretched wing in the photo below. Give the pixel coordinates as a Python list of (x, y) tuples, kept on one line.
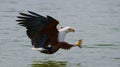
[(40, 29)]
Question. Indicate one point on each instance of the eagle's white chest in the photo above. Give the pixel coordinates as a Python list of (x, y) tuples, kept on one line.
[(61, 36)]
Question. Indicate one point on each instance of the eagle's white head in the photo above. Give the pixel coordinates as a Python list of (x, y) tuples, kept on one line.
[(63, 31)]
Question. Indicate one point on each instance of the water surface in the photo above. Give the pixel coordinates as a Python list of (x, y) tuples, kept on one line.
[(97, 22)]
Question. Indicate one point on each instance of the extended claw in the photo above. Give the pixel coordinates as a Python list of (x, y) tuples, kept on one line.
[(79, 43)]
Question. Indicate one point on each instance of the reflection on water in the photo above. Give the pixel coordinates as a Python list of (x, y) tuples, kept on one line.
[(48, 63), (52, 63)]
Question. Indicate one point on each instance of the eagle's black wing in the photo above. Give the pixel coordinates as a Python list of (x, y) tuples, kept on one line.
[(41, 30)]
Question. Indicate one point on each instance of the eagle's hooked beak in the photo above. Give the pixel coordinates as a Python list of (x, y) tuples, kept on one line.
[(71, 30)]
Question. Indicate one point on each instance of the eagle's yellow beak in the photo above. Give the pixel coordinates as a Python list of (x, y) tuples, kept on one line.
[(71, 30)]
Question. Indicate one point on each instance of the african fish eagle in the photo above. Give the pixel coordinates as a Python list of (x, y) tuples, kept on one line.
[(43, 32)]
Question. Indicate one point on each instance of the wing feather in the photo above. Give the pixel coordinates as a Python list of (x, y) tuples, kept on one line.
[(23, 17), (27, 15), (33, 13)]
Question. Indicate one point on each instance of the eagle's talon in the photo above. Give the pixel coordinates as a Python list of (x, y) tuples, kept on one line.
[(78, 43)]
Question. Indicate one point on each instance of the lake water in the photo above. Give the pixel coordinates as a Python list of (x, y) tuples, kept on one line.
[(97, 22)]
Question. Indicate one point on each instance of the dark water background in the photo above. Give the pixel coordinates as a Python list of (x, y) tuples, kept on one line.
[(97, 22)]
